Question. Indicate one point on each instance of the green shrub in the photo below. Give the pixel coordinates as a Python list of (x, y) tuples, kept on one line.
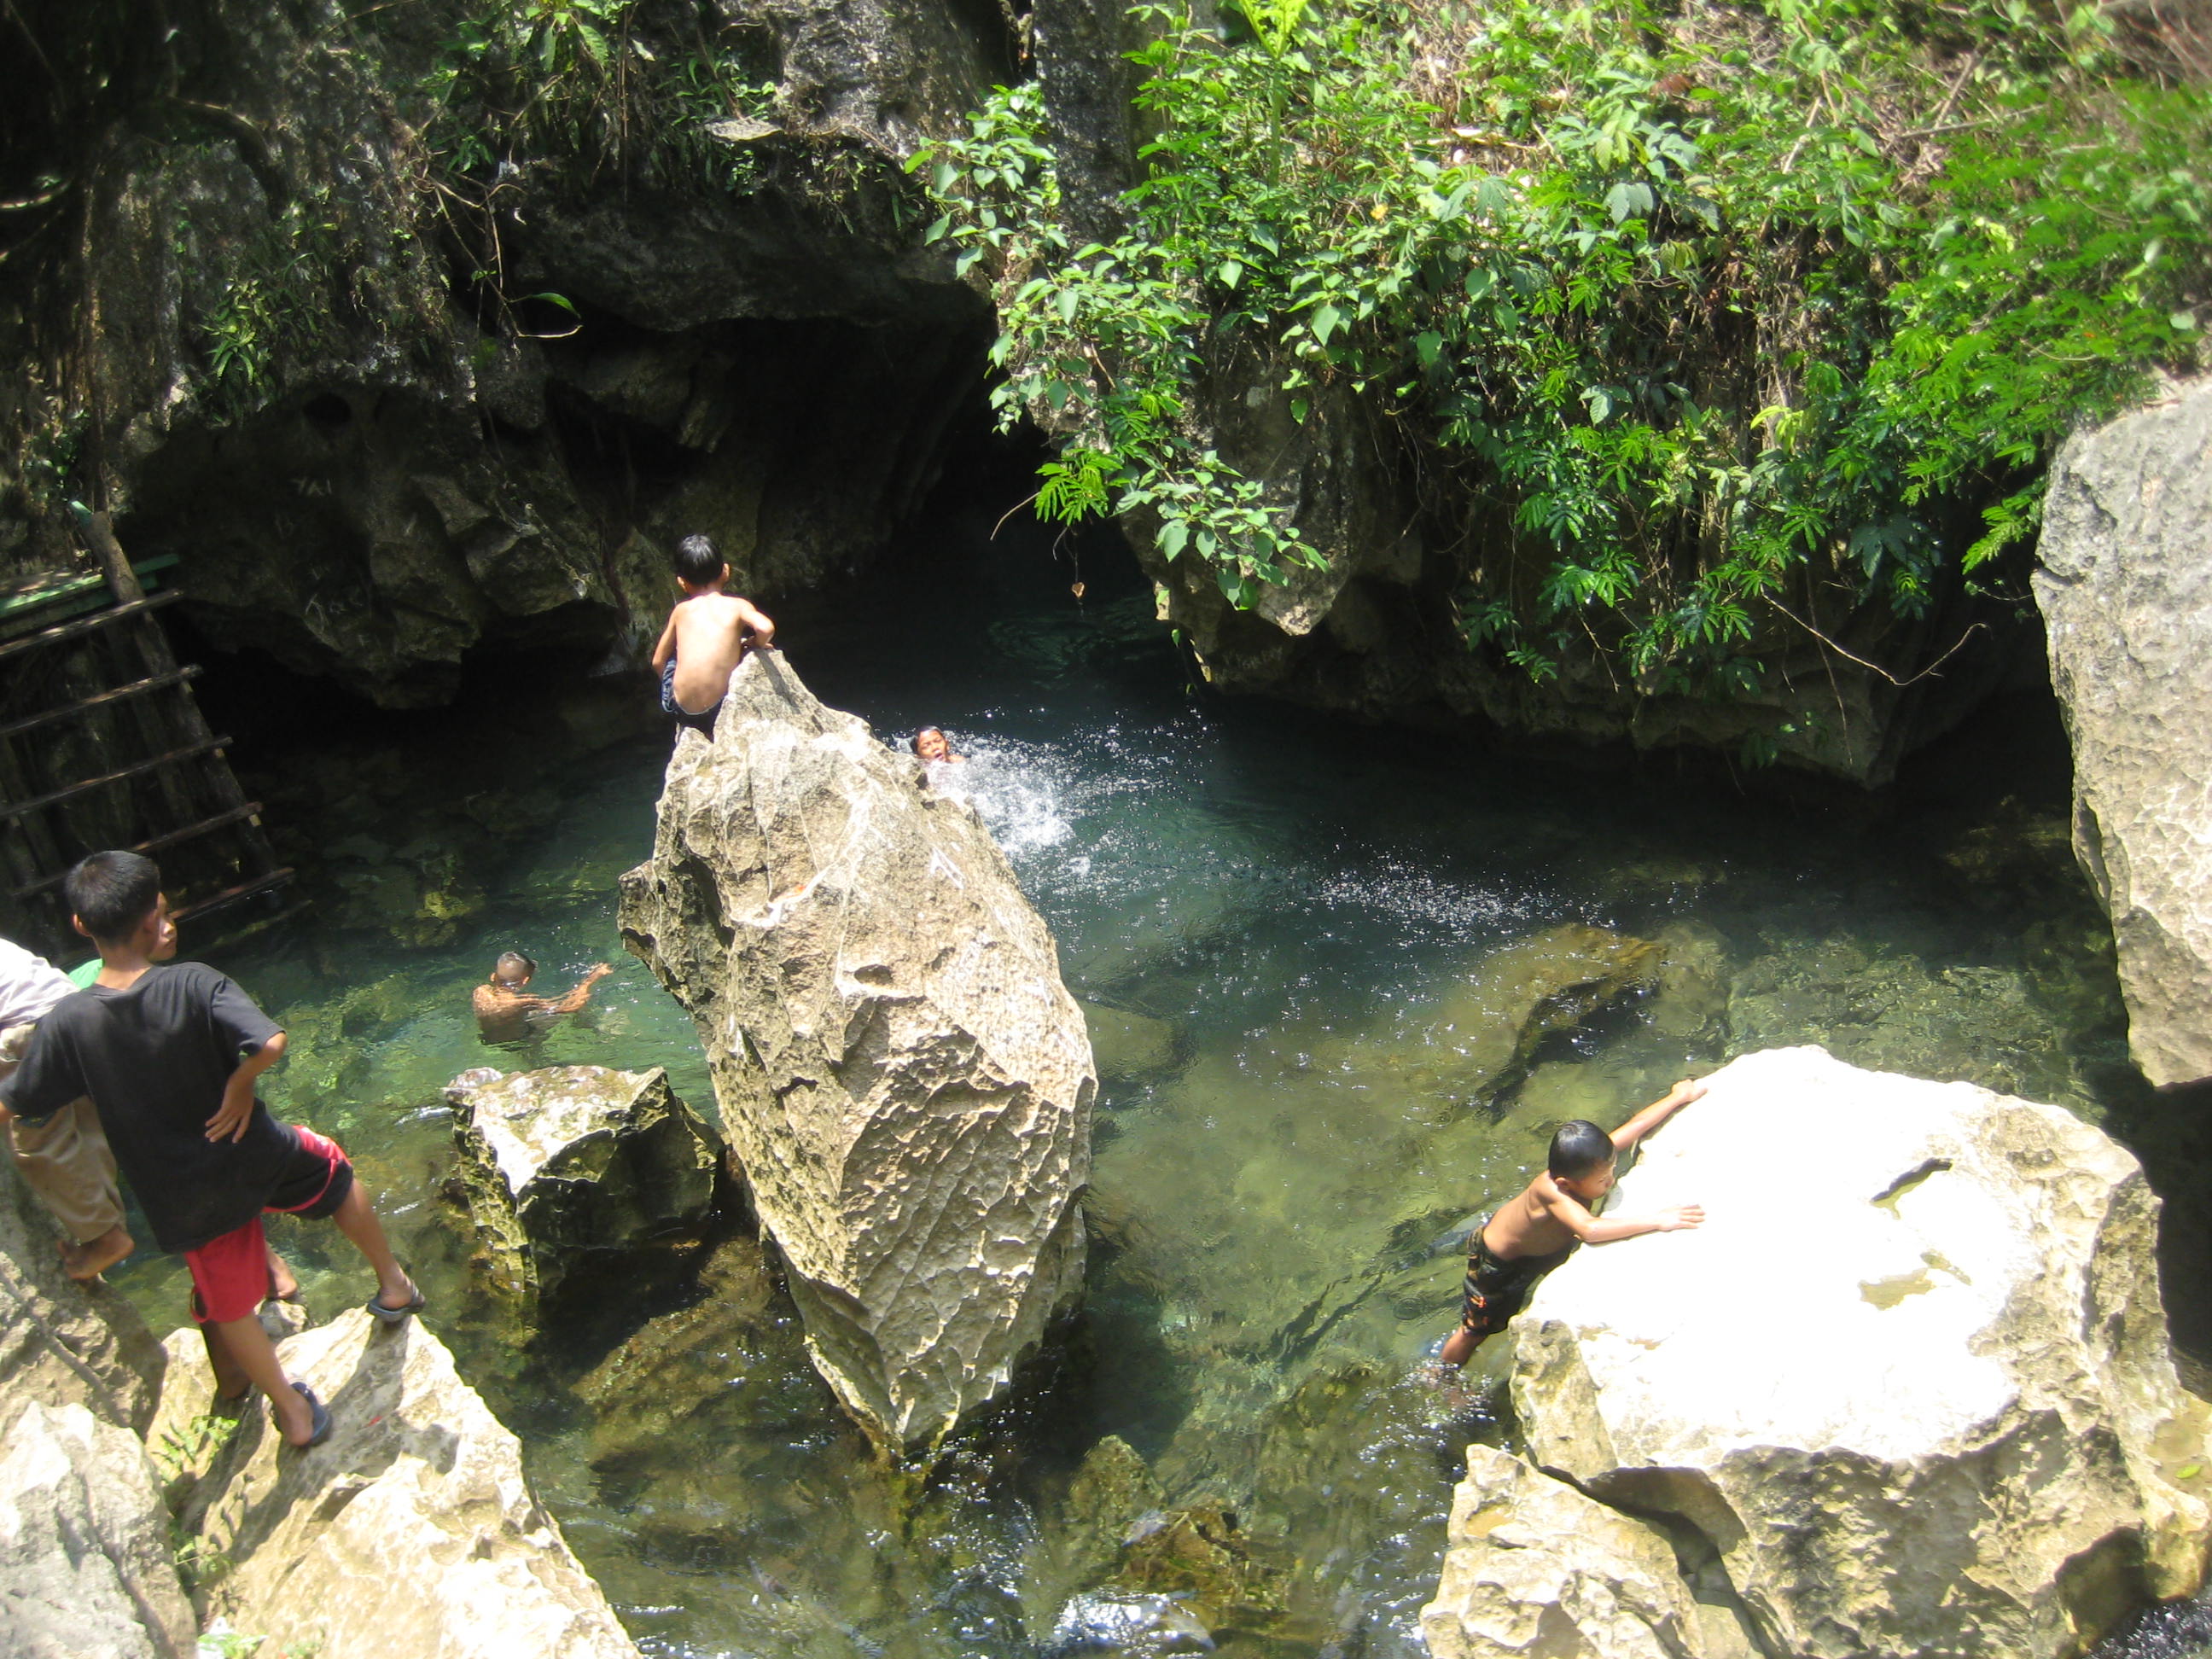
[(1715, 307)]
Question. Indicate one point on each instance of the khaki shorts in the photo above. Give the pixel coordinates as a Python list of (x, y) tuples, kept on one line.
[(66, 1159)]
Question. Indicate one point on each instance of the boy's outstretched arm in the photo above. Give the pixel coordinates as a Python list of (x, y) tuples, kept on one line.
[(1589, 1230), (756, 619), (236, 1111), (1657, 1113), (581, 993)]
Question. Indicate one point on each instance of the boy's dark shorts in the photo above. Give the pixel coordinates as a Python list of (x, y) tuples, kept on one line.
[(1496, 1289), (685, 717), (230, 1275)]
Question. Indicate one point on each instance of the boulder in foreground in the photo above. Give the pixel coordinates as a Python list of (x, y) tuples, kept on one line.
[(411, 1533), (571, 1162), (901, 1073), (1534, 1567), (84, 1543), (1908, 1387), (2125, 588)]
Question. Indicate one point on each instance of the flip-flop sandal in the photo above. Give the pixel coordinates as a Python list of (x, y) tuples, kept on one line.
[(398, 1315), (318, 1415)]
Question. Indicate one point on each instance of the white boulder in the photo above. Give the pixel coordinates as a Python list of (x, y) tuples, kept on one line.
[(1534, 1568), (1910, 1381)]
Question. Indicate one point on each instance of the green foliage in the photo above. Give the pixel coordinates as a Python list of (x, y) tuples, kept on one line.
[(1725, 307), (289, 292), (597, 82)]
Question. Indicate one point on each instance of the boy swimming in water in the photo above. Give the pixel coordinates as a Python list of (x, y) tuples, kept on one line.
[(930, 744), (507, 1012), (707, 636), (1541, 1228)]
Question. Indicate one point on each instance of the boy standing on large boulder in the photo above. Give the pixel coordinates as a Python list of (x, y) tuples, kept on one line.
[(169, 1052)]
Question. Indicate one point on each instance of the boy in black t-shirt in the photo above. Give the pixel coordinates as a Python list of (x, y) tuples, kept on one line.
[(169, 1052)]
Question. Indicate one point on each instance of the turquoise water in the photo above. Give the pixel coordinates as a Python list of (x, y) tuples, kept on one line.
[(1287, 930)]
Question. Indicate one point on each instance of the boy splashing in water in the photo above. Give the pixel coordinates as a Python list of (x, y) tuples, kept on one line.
[(707, 636), (169, 1052), (1541, 1228), (507, 1012)]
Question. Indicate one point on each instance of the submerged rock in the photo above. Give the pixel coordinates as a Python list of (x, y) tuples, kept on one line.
[(2125, 588), (575, 1160), (1202, 1559), (84, 1543), (1138, 1625), (1521, 995), (1909, 1383), (901, 1073), (1128, 1045), (411, 1533), (1483, 1033), (1534, 1567)]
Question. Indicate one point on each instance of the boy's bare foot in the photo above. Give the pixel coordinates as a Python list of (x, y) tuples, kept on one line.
[(283, 1283), (96, 1256)]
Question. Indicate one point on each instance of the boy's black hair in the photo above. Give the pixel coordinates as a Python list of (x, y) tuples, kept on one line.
[(1578, 1149), (111, 893), (698, 561), (528, 970)]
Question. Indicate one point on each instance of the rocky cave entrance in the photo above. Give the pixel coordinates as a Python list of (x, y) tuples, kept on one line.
[(381, 542)]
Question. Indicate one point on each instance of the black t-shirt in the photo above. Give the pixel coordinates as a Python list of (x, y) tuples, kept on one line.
[(155, 1058)]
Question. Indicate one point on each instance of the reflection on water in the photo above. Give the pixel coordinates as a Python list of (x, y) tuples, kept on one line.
[(1287, 936)]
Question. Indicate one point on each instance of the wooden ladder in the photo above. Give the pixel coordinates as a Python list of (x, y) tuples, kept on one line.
[(119, 754)]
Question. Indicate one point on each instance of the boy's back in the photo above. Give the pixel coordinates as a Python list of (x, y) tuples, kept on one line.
[(155, 1057), (710, 642)]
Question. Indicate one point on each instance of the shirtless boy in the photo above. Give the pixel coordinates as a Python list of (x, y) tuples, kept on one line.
[(1541, 1228), (507, 1012), (707, 636)]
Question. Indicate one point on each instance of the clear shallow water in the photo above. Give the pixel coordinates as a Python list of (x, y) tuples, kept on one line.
[(1281, 926)]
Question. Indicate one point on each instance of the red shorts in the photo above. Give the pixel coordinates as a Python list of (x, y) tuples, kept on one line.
[(230, 1275)]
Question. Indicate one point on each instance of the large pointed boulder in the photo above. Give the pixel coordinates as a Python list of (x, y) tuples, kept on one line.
[(901, 1073)]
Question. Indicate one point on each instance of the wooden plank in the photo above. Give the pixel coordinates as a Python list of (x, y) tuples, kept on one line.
[(231, 895), (155, 842), (121, 694), (83, 625), (39, 598), (190, 725), (22, 809)]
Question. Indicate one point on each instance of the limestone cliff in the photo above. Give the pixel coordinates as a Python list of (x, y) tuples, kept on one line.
[(1907, 1391), (2125, 588), (901, 1073), (390, 404)]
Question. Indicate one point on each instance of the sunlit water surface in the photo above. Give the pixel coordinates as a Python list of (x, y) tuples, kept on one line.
[(1273, 921)]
